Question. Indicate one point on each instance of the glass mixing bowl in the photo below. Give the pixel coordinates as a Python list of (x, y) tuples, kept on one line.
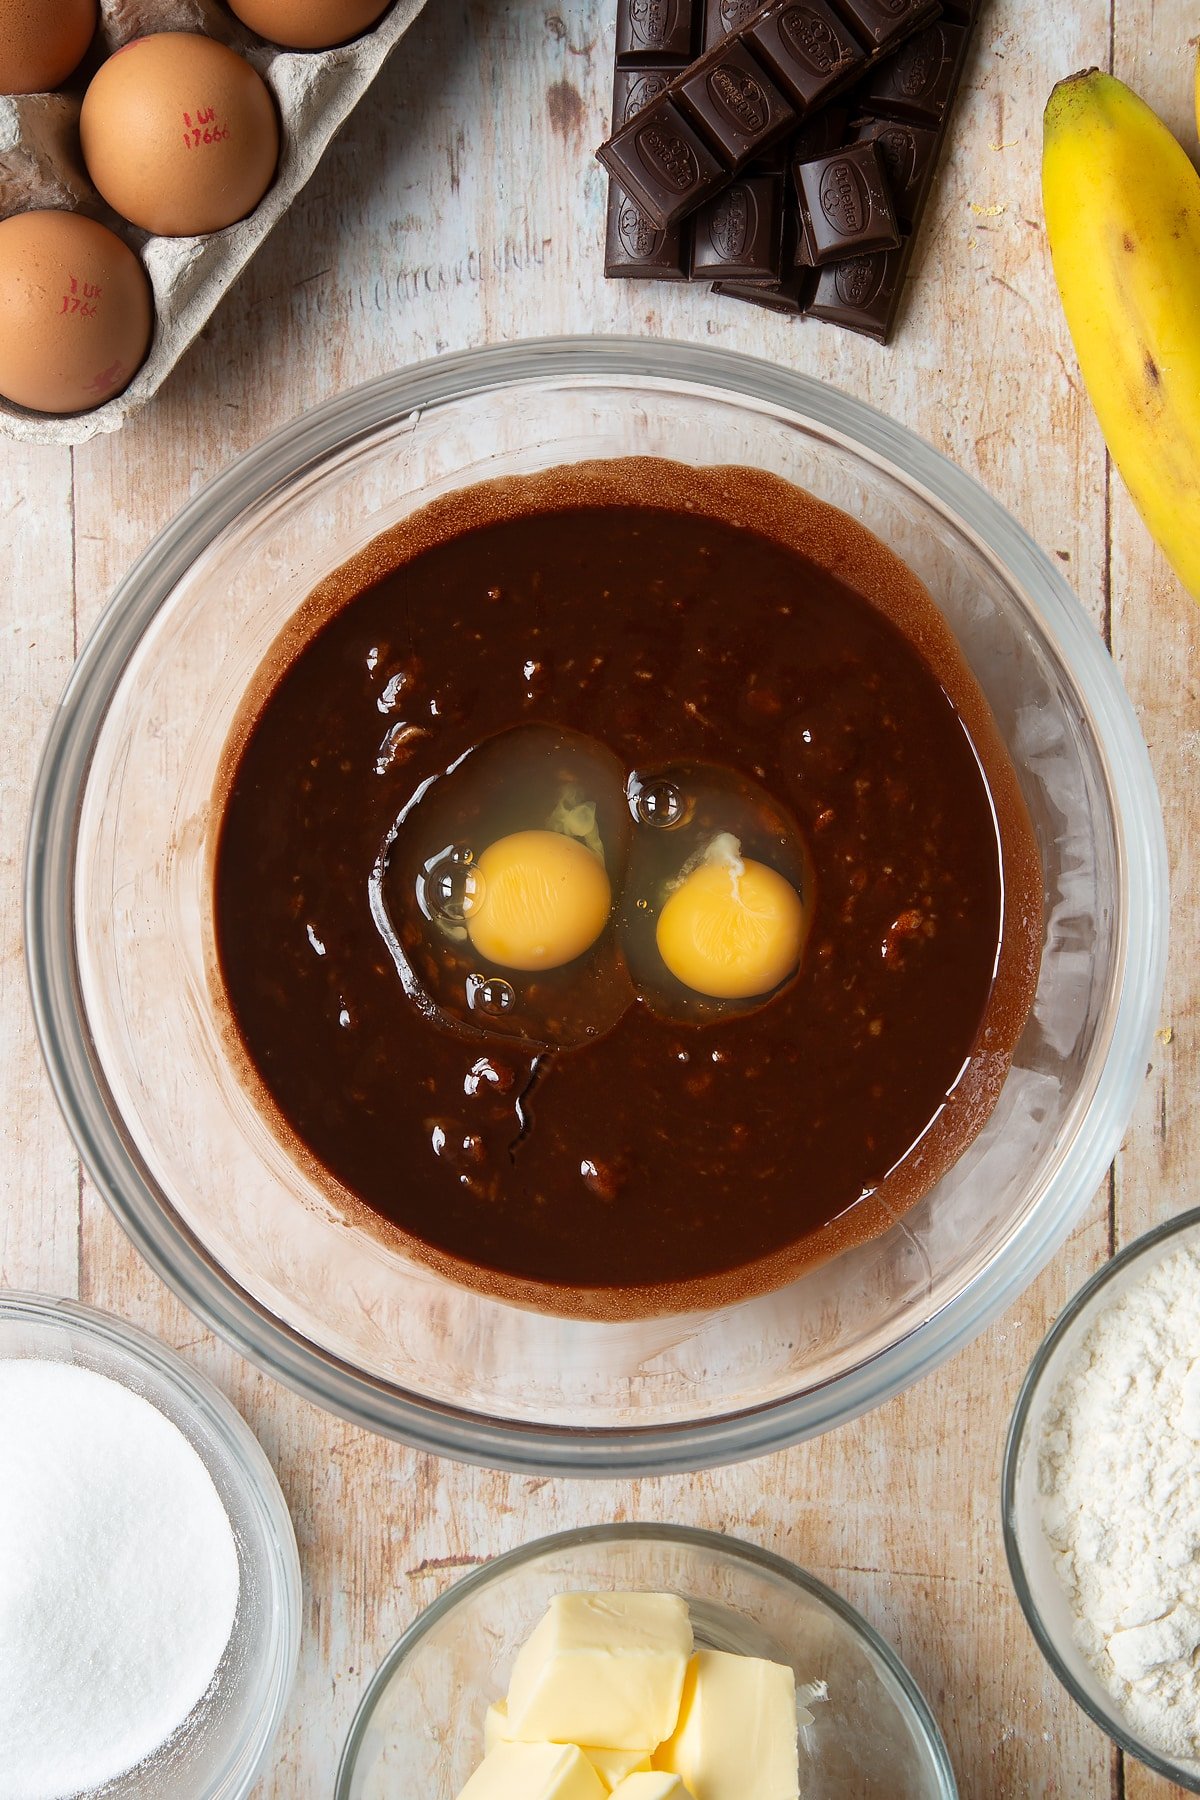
[(1031, 1561), (119, 926), (419, 1727), (223, 1745)]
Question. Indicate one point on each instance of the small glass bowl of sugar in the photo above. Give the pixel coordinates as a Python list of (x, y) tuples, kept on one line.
[(1101, 1498), (149, 1582)]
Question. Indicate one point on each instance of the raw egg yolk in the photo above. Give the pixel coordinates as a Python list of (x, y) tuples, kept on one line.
[(541, 900), (732, 929)]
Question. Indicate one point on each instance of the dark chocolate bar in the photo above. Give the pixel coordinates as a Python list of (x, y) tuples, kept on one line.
[(865, 294), (738, 236), (910, 95), (845, 208), (744, 94), (903, 70)]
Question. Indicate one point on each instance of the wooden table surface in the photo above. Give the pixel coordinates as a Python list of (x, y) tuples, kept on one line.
[(461, 206)]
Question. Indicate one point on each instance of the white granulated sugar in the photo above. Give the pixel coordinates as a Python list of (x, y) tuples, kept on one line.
[(118, 1579), (1119, 1478)]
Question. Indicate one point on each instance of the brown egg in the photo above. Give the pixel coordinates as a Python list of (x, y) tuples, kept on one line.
[(179, 134), (308, 24), (75, 312), (42, 41)]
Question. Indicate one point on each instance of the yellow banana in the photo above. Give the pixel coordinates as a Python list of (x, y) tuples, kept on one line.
[(1122, 205)]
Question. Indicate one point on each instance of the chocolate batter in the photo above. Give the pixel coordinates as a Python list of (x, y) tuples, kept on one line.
[(676, 618)]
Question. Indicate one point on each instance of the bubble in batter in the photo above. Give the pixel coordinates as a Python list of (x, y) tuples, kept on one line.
[(490, 995), (716, 906), (656, 803), (493, 890), (450, 886)]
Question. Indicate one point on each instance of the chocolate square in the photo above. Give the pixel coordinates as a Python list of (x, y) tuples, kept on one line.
[(634, 247), (908, 154), (635, 88), (659, 161), (738, 236), (735, 103), (862, 294), (920, 80), (723, 16), (881, 23), (808, 49), (845, 207), (650, 29)]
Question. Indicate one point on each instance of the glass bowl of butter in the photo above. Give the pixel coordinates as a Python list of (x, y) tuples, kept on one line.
[(726, 1673)]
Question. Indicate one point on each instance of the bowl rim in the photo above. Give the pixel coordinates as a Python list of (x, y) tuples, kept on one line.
[(259, 1485), (1064, 1327), (739, 1549), (329, 432)]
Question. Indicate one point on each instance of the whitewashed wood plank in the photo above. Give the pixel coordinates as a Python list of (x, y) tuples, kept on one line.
[(1156, 643), (38, 1171)]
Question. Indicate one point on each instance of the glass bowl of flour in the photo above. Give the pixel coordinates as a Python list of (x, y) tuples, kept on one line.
[(149, 1581), (1101, 1494)]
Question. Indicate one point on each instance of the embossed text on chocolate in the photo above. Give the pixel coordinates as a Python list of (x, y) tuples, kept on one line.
[(811, 38), (859, 280), (739, 97), (844, 199), (667, 158), (732, 225)]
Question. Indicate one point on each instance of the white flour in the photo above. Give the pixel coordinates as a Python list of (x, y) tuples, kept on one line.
[(118, 1579), (1119, 1476)]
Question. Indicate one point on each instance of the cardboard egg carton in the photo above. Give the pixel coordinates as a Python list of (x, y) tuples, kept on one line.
[(41, 166)]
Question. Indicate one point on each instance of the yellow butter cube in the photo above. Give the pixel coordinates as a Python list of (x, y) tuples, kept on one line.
[(602, 1669), (736, 1738), (612, 1766), (534, 1772), (656, 1786)]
